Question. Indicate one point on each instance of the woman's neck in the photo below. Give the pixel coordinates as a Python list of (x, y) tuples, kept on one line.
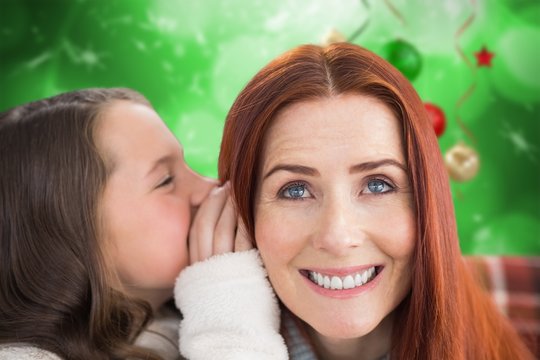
[(371, 346)]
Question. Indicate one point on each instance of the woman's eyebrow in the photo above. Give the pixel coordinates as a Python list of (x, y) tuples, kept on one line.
[(370, 165), (297, 169)]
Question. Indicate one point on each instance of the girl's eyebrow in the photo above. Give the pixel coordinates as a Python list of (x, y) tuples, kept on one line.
[(166, 159), (169, 157)]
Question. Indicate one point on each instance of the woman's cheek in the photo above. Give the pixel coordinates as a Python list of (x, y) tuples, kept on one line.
[(278, 238)]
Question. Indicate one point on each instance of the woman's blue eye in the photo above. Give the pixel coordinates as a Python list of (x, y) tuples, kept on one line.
[(297, 191), (378, 186)]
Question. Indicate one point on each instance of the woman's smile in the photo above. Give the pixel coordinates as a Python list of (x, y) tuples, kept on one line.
[(342, 283)]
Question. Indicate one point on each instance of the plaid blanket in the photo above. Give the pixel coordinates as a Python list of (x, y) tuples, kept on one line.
[(514, 285)]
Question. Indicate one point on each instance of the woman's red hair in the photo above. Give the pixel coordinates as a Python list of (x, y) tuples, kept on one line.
[(446, 315)]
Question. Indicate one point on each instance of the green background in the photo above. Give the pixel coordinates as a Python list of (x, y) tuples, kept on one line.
[(191, 58)]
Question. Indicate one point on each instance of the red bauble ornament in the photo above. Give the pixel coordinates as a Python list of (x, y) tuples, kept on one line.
[(437, 117)]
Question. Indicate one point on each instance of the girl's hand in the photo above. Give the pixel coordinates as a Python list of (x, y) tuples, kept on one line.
[(216, 229)]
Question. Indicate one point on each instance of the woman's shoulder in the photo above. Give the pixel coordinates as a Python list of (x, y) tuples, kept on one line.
[(25, 352)]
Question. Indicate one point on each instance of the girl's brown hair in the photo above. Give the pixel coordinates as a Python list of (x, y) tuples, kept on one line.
[(57, 290), (446, 315)]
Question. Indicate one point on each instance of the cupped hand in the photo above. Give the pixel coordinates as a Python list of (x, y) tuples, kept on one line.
[(216, 228)]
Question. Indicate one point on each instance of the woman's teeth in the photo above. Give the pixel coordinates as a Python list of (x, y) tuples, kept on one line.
[(342, 283)]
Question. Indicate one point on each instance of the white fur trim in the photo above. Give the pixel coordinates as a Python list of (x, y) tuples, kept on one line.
[(25, 352), (230, 310)]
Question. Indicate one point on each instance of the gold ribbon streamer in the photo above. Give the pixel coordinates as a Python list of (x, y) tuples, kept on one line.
[(362, 27), (395, 12), (472, 87)]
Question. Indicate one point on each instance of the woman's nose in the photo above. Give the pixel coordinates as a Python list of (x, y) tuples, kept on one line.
[(338, 229)]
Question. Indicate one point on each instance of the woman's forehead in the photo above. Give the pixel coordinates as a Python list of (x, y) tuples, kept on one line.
[(335, 124)]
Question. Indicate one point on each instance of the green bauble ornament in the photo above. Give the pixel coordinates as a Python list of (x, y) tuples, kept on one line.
[(515, 75), (404, 57)]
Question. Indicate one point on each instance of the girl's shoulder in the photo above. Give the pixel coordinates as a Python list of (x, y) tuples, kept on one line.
[(25, 352)]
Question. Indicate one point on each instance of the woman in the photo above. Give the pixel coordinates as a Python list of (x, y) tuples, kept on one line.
[(96, 203), (337, 174)]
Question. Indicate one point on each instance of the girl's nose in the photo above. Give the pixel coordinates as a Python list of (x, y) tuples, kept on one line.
[(198, 187)]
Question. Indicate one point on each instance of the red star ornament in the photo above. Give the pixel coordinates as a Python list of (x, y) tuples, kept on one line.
[(483, 57)]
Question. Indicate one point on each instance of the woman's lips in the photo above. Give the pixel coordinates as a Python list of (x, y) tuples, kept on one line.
[(342, 282)]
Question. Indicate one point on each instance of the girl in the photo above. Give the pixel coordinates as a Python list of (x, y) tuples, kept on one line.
[(95, 214)]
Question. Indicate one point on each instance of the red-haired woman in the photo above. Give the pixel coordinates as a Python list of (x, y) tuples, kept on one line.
[(337, 174)]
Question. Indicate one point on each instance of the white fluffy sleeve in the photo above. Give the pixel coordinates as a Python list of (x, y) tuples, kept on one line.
[(229, 309)]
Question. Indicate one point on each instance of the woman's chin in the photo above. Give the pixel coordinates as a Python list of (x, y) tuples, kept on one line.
[(343, 330)]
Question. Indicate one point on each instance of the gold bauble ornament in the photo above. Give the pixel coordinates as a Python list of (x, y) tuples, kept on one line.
[(462, 162), (333, 36)]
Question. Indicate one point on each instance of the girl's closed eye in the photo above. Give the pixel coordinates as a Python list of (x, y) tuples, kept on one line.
[(168, 180), (294, 191), (378, 187)]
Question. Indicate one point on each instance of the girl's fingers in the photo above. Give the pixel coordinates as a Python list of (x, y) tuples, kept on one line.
[(193, 248), (225, 229), (201, 234), (242, 241), (216, 228)]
